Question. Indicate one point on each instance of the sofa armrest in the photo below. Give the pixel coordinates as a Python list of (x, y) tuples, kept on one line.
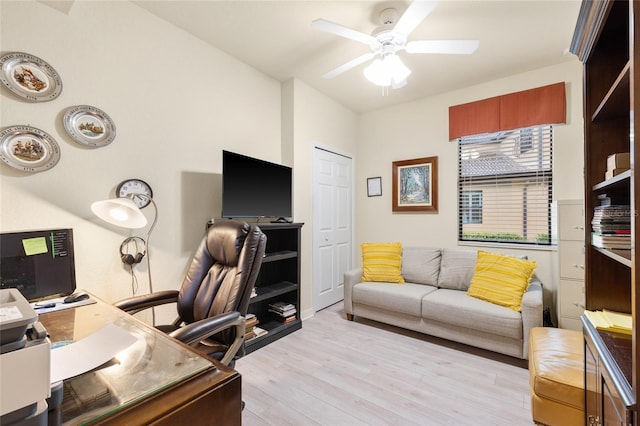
[(351, 278), (531, 312)]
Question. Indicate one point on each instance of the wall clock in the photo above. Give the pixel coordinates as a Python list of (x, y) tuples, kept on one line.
[(138, 190)]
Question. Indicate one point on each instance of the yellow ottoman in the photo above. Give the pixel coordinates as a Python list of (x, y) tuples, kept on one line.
[(556, 376)]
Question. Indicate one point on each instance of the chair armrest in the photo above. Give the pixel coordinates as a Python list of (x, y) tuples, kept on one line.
[(351, 278), (195, 332), (531, 312), (136, 304)]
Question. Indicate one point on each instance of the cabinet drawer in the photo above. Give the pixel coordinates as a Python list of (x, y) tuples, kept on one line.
[(572, 259), (571, 222), (571, 298)]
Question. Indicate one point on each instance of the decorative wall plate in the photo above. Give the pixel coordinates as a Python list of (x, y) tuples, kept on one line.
[(29, 77), (28, 149), (89, 125)]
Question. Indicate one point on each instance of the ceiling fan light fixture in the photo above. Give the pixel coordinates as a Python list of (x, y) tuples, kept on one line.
[(388, 71), (398, 84), (376, 74), (391, 37)]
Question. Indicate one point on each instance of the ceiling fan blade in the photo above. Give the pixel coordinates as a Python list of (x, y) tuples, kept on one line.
[(415, 13), (330, 27), (351, 64), (462, 47)]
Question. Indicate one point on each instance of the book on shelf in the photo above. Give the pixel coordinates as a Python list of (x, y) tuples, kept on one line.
[(259, 331), (611, 241), (286, 320), (256, 332), (283, 311), (281, 306), (610, 321), (613, 210), (612, 237), (251, 322), (284, 317), (609, 231), (611, 214)]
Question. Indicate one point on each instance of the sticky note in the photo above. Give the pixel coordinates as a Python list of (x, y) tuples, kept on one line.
[(33, 246)]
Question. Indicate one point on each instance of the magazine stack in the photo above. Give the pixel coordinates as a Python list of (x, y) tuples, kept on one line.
[(283, 311), (611, 226)]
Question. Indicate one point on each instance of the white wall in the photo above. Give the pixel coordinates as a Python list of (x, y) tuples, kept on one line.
[(177, 103), (420, 129), (317, 120)]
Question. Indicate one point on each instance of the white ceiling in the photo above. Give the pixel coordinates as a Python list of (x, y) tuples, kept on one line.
[(276, 38)]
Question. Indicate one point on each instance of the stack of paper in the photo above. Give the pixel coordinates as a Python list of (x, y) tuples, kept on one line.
[(610, 321)]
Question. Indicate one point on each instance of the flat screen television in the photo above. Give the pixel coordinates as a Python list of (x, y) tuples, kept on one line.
[(255, 188), (40, 264)]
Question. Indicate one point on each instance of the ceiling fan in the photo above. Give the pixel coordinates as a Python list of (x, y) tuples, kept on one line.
[(390, 38)]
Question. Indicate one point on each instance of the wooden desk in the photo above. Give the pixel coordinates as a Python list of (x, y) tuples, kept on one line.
[(158, 380)]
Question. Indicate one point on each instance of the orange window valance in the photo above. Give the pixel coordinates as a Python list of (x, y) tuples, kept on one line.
[(542, 105)]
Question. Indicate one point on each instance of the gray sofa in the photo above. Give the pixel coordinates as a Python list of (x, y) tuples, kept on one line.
[(433, 300)]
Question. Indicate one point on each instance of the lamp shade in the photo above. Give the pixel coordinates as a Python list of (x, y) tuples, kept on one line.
[(120, 212), (388, 71)]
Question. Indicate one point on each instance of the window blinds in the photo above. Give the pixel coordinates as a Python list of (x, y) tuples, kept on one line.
[(505, 186)]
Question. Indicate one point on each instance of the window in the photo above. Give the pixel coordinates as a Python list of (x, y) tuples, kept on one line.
[(505, 186), (471, 207), (525, 140)]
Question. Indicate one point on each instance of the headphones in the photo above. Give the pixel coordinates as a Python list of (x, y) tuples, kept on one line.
[(132, 259)]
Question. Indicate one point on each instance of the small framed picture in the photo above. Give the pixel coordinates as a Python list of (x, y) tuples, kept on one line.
[(374, 186)]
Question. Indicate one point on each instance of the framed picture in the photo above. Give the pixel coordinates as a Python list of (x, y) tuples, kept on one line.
[(374, 186), (415, 185)]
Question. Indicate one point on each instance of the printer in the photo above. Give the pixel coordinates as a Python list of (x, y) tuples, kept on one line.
[(24, 362)]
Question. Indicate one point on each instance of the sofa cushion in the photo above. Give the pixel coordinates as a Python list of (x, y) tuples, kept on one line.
[(421, 265), (382, 262), (455, 307), (405, 299), (456, 268), (501, 279)]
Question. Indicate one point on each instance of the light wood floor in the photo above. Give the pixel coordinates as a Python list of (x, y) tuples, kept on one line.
[(336, 372)]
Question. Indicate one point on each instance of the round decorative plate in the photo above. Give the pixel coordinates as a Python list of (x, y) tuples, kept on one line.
[(89, 125), (29, 149), (29, 77)]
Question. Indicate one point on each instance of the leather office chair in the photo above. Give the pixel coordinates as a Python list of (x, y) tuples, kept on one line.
[(215, 292)]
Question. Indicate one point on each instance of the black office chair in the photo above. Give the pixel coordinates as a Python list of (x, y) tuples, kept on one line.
[(214, 296)]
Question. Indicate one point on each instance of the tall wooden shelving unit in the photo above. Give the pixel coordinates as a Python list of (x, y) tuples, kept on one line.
[(605, 40)]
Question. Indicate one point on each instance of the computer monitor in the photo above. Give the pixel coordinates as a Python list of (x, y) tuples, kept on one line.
[(40, 264)]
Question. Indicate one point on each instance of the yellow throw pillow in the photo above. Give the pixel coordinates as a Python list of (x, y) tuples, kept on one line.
[(501, 279), (382, 262)]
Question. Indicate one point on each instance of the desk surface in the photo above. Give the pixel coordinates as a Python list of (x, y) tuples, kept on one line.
[(157, 379)]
